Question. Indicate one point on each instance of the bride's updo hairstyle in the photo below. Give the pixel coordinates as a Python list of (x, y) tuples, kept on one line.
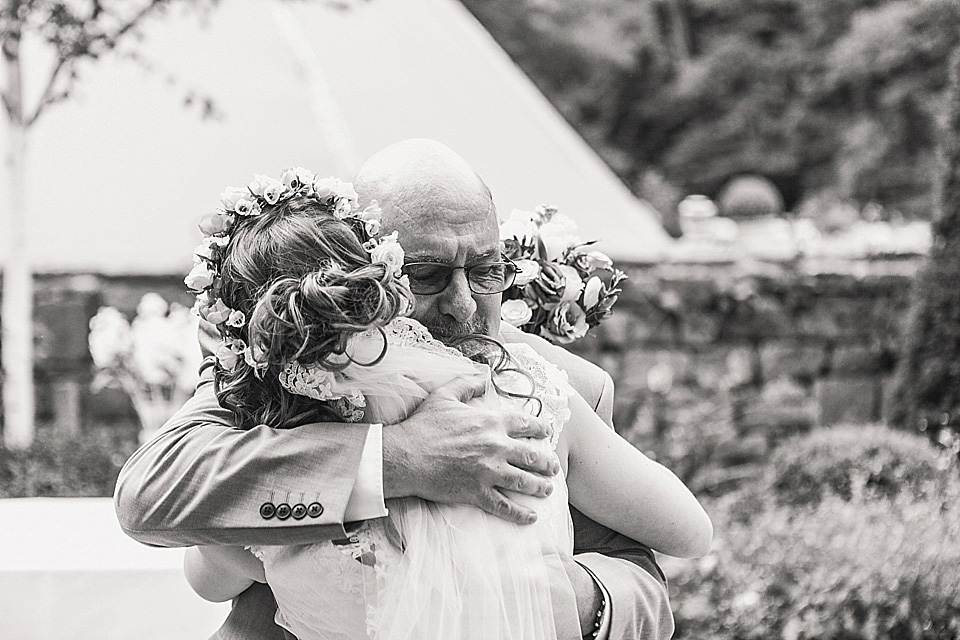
[(306, 285)]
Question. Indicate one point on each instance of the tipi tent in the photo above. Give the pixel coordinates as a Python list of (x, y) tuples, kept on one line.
[(120, 173)]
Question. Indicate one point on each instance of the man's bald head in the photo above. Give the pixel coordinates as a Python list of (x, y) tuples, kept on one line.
[(444, 215), (418, 180)]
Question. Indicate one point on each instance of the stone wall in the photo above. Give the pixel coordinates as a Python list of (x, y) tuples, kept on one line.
[(713, 363)]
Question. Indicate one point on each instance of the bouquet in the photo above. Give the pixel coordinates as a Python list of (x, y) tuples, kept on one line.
[(563, 289), (154, 359)]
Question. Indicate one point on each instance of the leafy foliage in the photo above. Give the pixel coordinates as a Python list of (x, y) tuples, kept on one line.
[(855, 462), (876, 564), (65, 466), (72, 33), (927, 395), (834, 97)]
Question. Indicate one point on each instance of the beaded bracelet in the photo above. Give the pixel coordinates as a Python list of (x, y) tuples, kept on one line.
[(598, 622)]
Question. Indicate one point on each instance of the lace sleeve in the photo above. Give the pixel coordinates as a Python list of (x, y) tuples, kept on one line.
[(553, 387)]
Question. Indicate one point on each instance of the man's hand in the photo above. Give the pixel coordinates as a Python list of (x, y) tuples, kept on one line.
[(449, 452)]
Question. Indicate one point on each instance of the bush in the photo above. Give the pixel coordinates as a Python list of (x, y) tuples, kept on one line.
[(850, 534), (750, 197), (57, 466), (842, 570), (855, 461)]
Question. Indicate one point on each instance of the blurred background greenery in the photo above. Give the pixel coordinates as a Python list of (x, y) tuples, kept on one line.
[(834, 101)]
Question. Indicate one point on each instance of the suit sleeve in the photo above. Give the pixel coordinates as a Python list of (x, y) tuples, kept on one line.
[(639, 605), (201, 481), (628, 570)]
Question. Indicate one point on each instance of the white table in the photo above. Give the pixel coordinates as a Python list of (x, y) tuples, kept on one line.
[(68, 572)]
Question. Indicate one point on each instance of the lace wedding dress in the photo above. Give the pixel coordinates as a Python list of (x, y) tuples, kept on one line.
[(429, 571)]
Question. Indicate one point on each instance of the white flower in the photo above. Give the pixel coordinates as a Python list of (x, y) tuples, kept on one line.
[(216, 221), (236, 319), (527, 272), (330, 189), (200, 277), (591, 292), (523, 232), (247, 207), (566, 323), (372, 227), (516, 312), (231, 196), (152, 305), (573, 284), (273, 193), (109, 338), (229, 353), (259, 183), (388, 252), (267, 188), (521, 215), (207, 248), (156, 346), (214, 312), (598, 260), (343, 208), (297, 177), (558, 235)]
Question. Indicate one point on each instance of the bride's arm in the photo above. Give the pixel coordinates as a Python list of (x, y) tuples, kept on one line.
[(219, 574), (613, 483)]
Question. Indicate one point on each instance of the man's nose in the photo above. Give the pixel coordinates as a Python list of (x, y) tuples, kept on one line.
[(457, 300)]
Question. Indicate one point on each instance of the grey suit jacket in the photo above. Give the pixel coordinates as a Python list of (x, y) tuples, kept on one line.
[(201, 481)]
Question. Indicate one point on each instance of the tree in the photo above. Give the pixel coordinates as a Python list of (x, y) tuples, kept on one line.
[(927, 392), (825, 97), (71, 32)]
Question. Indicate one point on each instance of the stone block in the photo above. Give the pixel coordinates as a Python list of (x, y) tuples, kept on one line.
[(857, 359), (637, 363), (700, 327), (62, 319), (631, 327), (781, 409), (834, 317), (792, 359), (847, 400), (721, 365)]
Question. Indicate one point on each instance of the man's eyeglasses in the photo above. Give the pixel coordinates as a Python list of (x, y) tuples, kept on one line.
[(427, 278)]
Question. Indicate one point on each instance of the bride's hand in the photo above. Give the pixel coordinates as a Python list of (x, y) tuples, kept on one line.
[(449, 452)]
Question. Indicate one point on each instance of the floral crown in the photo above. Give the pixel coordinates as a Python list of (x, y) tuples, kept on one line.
[(239, 204)]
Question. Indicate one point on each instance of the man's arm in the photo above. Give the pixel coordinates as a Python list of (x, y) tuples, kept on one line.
[(200, 481)]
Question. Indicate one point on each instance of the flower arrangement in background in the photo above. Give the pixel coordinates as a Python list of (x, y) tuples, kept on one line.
[(154, 359), (563, 289)]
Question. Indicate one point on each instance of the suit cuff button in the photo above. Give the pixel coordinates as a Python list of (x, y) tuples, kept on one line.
[(283, 511), (267, 510), (315, 510), (298, 512)]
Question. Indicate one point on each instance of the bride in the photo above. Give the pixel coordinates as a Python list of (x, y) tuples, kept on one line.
[(313, 313)]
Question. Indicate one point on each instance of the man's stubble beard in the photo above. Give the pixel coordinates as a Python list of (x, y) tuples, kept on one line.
[(445, 330)]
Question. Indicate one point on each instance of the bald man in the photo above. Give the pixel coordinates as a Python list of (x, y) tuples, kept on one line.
[(201, 481)]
